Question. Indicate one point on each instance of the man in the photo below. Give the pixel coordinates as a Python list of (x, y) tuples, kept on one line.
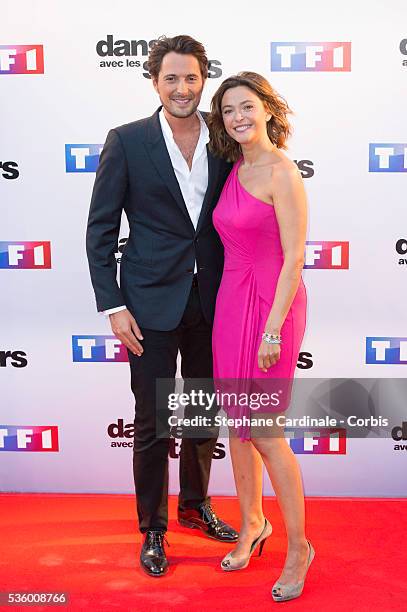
[(160, 171)]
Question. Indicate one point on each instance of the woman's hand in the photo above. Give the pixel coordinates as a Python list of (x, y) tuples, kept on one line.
[(268, 355)]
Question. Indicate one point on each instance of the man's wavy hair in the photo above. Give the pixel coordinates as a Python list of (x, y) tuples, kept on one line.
[(278, 128), (183, 44)]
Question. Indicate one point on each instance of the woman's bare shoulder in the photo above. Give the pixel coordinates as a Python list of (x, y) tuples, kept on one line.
[(284, 172)]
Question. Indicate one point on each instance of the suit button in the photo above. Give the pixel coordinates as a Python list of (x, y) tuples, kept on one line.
[(190, 270), (202, 268)]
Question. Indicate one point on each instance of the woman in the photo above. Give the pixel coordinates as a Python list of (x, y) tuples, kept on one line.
[(260, 309)]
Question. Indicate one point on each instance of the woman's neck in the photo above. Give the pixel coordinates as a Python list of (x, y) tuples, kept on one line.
[(255, 154)]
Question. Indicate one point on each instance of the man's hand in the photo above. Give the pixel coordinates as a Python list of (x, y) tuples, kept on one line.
[(125, 328)]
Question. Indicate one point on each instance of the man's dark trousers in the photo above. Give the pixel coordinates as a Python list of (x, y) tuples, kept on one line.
[(192, 337)]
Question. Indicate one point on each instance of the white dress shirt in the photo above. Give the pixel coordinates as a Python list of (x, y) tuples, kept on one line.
[(193, 183)]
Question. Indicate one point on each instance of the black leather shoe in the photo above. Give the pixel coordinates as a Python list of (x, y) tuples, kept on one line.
[(205, 519), (152, 556)]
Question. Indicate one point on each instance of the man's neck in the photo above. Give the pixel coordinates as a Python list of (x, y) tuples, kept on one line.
[(182, 125)]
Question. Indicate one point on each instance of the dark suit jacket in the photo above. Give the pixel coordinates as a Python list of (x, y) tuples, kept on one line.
[(135, 174)]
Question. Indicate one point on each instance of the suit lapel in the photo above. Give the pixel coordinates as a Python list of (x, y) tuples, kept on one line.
[(159, 155), (213, 175)]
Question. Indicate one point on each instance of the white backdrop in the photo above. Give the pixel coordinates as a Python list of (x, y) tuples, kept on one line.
[(340, 115)]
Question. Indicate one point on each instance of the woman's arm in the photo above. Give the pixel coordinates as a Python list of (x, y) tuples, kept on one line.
[(290, 205)]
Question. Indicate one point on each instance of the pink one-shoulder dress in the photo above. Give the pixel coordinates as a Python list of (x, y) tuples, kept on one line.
[(250, 235)]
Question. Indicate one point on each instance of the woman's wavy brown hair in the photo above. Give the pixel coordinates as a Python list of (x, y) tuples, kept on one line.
[(278, 128)]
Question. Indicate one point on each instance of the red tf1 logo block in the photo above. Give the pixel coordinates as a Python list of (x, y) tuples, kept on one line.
[(25, 255), (29, 438), (21, 59), (327, 255)]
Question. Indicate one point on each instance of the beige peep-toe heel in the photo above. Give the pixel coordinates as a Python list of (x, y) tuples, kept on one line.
[(285, 592), (229, 564)]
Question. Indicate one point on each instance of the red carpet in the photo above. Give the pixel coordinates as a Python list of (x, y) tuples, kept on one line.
[(88, 546)]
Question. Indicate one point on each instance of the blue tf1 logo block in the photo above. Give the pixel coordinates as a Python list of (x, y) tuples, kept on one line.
[(386, 350), (98, 348), (82, 157), (310, 56), (387, 157)]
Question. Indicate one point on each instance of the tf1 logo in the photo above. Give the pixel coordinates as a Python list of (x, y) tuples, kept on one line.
[(82, 157), (320, 441), (386, 350), (387, 157), (310, 56), (21, 59), (29, 438), (9, 170), (25, 255), (109, 348), (327, 255), (98, 349)]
